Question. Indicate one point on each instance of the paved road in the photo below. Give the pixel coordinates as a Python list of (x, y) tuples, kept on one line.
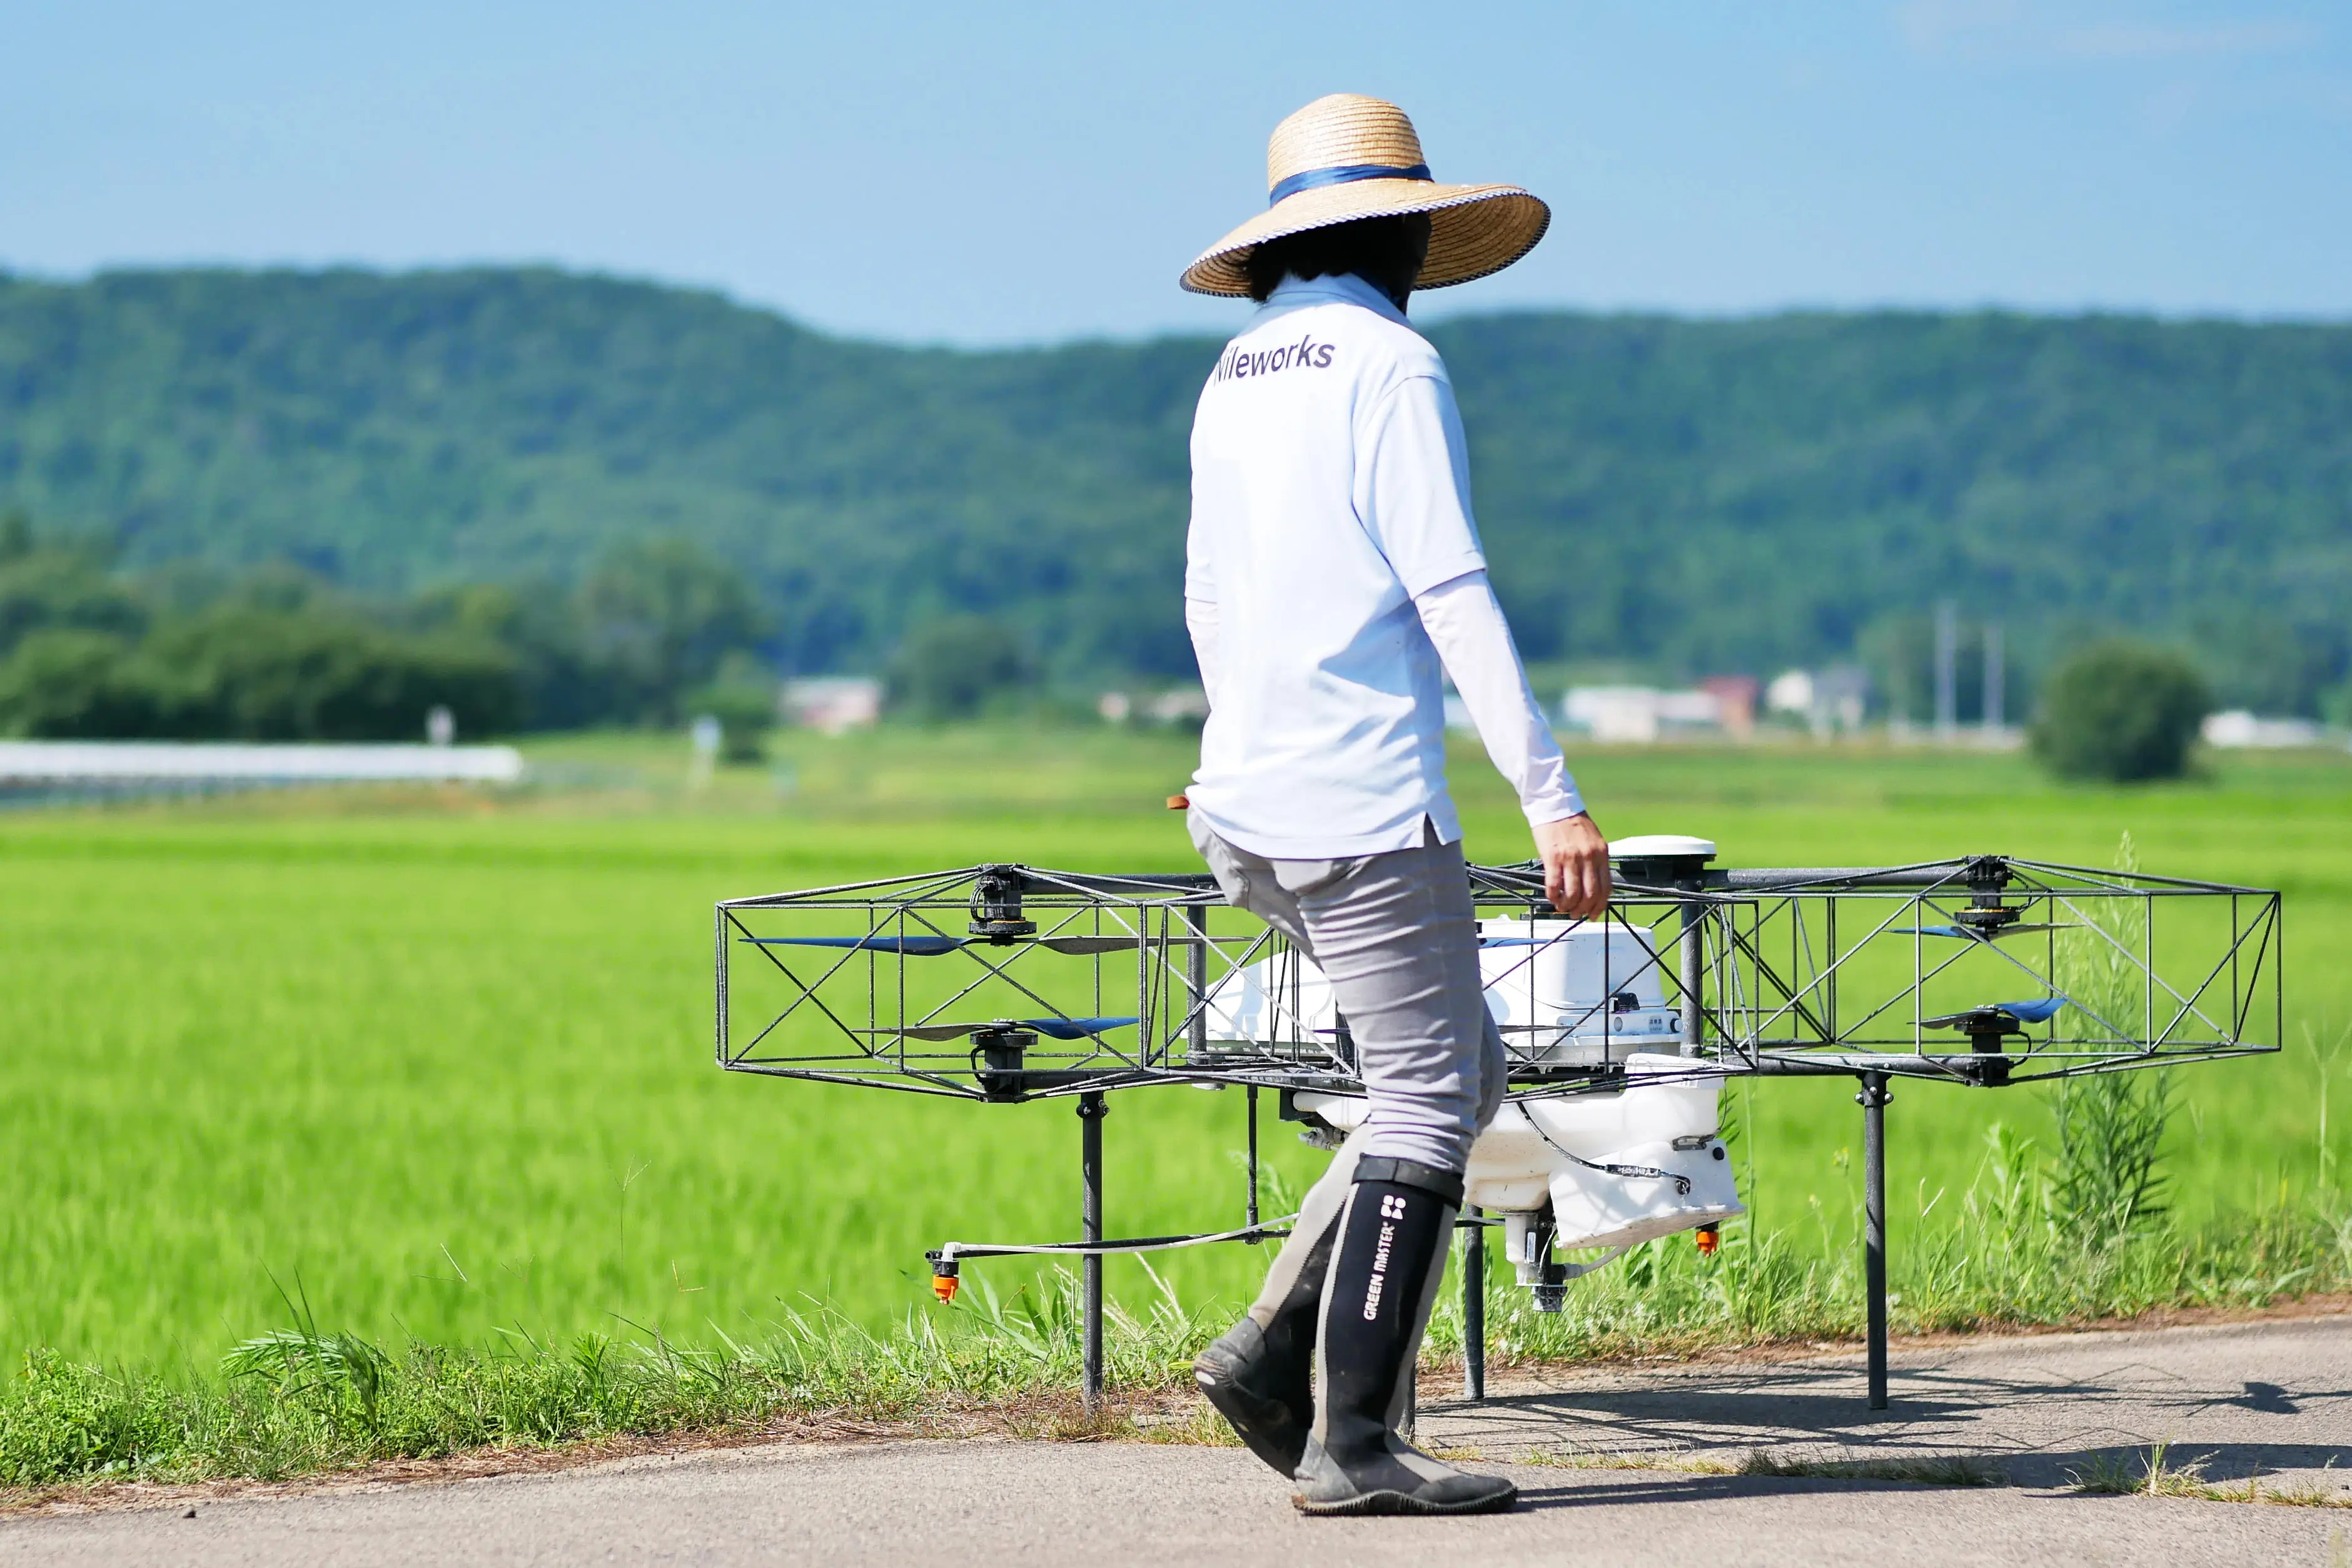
[(2271, 1400), (2276, 1397)]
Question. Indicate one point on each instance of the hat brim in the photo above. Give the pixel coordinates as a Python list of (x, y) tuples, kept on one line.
[(1473, 230)]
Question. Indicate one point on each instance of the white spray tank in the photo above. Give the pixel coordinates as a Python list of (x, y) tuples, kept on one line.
[(1611, 1169), (1562, 994), (1581, 996)]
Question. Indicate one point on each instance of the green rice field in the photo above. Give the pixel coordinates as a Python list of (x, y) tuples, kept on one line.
[(440, 1064)]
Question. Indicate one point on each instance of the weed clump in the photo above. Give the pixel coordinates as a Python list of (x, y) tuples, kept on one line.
[(302, 1399)]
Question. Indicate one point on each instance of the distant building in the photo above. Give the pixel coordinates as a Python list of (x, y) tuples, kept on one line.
[(832, 703), (164, 766), (1178, 704), (1825, 700), (1792, 692), (1734, 703), (2236, 728), (1640, 714)]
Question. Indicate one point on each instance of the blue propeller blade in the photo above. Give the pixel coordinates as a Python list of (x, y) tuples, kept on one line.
[(2038, 1011), (1985, 934), (914, 946), (1075, 1029), (932, 946), (1057, 1028)]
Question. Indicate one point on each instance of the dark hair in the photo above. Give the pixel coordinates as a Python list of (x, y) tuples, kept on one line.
[(1386, 253)]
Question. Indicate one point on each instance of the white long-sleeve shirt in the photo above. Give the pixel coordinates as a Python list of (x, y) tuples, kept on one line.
[(1334, 578)]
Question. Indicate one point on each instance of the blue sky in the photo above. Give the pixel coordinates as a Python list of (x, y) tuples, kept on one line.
[(1024, 172)]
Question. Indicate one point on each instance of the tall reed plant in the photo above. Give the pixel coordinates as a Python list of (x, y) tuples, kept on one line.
[(2107, 1180)]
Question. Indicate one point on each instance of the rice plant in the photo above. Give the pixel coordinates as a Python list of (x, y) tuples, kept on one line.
[(411, 1058)]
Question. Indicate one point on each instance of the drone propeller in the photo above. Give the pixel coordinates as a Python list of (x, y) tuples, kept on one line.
[(1056, 1027), (932, 947), (2038, 1011), (911, 946), (1973, 934)]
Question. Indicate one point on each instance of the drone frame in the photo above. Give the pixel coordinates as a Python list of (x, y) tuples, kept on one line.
[(1772, 971)]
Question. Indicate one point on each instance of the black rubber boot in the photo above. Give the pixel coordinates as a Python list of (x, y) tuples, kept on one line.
[(1381, 1284), (1259, 1377)]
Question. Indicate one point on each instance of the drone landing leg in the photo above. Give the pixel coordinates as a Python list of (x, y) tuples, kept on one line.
[(1873, 1098), (1252, 1164), (1473, 1308), (1092, 1109)]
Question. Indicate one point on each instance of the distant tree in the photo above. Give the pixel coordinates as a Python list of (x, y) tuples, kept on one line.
[(661, 613), (45, 588), (69, 684), (2268, 662), (2335, 707), (266, 675), (744, 700), (279, 585), (950, 668), (2120, 711), (1711, 495), (538, 626)]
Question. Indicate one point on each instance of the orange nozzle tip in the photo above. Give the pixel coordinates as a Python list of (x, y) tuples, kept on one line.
[(943, 1286), (1706, 1238), (1178, 803)]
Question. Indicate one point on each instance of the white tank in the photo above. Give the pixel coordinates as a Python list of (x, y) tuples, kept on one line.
[(1279, 1001), (1591, 995), (1584, 996)]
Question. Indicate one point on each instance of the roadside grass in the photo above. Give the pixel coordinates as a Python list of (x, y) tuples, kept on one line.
[(1919, 1470), (2153, 1473), (300, 1399), (1680, 1461)]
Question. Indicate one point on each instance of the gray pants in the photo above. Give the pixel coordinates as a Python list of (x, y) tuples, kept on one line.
[(1396, 935)]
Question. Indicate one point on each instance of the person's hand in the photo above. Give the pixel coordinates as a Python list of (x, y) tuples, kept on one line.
[(1576, 866)]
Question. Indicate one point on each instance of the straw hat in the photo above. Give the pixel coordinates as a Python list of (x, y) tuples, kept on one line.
[(1347, 157)]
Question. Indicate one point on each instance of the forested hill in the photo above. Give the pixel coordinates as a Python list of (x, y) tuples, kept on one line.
[(1708, 494)]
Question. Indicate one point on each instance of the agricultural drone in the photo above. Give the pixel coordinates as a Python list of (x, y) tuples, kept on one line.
[(1008, 983)]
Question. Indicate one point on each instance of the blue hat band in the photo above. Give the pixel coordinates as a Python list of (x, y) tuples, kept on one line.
[(1342, 174)]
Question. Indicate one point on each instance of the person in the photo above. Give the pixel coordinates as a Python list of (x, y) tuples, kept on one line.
[(1333, 579)]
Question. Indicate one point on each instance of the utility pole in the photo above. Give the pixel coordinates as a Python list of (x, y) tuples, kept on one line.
[(1994, 680), (1948, 659)]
